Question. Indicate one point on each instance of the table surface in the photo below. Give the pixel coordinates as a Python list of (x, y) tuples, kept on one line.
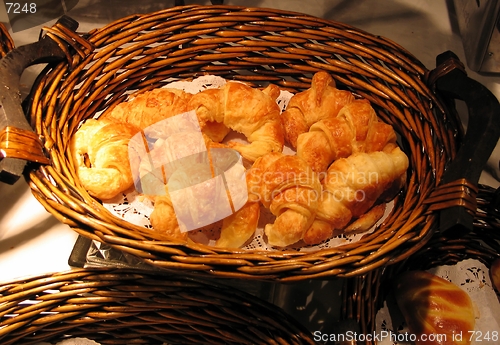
[(33, 242)]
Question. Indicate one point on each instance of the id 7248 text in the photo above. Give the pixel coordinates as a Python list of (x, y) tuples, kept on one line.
[(488, 337), (19, 7)]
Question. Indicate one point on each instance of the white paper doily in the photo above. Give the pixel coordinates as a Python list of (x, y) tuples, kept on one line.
[(471, 276), (136, 209)]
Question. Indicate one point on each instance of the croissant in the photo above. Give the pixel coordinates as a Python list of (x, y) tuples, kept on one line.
[(351, 187), (100, 150), (288, 187), (355, 129), (189, 201), (164, 220), (153, 185), (322, 100), (435, 310), (246, 110), (239, 227), (184, 166), (150, 107), (236, 229)]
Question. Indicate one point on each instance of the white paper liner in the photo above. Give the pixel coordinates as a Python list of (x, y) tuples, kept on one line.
[(135, 208), (471, 276)]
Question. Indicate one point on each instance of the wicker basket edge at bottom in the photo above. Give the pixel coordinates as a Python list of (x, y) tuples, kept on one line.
[(123, 306)]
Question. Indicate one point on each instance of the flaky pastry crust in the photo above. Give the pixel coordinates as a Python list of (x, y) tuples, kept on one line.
[(352, 186), (321, 101), (100, 150), (246, 110), (355, 129)]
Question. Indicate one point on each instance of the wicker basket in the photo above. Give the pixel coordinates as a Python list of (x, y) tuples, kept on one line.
[(257, 46), (364, 296), (126, 307), (6, 42)]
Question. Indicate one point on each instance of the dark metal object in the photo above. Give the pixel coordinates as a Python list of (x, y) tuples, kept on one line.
[(478, 22), (483, 132), (12, 66)]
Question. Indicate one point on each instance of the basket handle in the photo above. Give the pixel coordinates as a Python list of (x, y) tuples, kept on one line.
[(19, 144), (455, 197)]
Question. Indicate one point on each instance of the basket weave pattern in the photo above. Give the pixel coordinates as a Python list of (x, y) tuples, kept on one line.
[(257, 46), (120, 307)]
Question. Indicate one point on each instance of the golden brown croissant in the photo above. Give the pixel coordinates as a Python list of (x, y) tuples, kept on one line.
[(100, 149), (153, 185), (163, 218), (236, 230), (150, 107), (288, 187), (101, 146), (322, 100), (355, 129), (351, 187), (435, 310), (246, 110), (173, 162), (239, 227), (195, 195), (200, 196)]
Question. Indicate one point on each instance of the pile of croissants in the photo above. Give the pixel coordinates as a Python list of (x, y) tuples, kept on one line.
[(346, 163)]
